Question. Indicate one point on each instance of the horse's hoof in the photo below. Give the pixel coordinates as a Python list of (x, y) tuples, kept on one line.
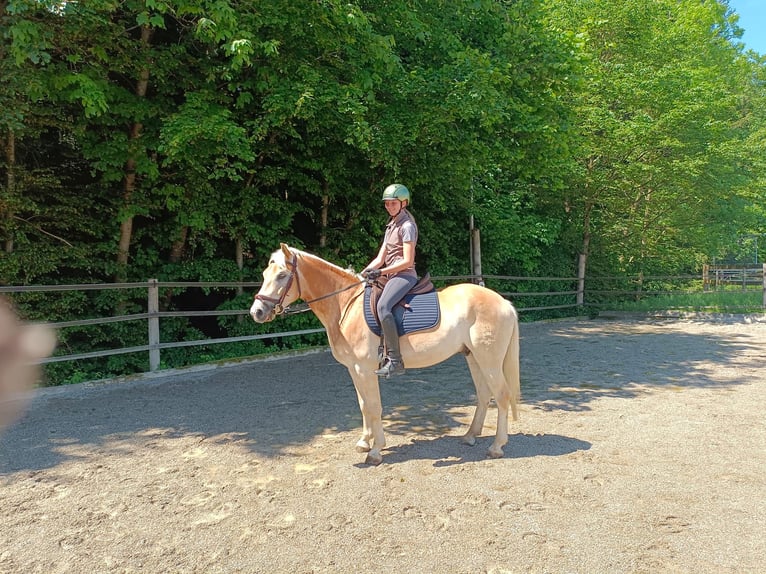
[(468, 439), (363, 446), (373, 459), (495, 453)]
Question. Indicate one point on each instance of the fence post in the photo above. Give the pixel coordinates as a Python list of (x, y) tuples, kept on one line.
[(764, 287), (153, 308), (581, 280), (706, 278)]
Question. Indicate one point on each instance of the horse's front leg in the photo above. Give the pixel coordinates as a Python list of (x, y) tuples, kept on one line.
[(364, 444), (373, 441)]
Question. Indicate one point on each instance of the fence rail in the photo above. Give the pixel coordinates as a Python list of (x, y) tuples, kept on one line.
[(715, 276), (711, 279)]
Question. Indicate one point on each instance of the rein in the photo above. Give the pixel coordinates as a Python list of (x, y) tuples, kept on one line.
[(305, 306)]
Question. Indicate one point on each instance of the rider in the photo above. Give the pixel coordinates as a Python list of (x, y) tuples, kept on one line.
[(396, 260)]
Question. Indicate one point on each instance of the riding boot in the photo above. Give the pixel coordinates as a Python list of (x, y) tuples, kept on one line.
[(393, 364), (381, 353)]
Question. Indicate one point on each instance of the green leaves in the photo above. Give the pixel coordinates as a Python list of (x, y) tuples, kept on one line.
[(190, 137), (204, 136), (660, 89), (630, 126)]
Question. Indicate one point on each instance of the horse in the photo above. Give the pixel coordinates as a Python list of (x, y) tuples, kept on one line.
[(474, 321)]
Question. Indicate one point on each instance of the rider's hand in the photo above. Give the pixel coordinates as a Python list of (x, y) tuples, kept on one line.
[(371, 274)]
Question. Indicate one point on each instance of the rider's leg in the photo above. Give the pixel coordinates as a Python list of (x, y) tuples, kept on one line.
[(396, 288), (393, 364)]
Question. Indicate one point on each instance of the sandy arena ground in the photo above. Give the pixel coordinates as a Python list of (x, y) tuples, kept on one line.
[(641, 448)]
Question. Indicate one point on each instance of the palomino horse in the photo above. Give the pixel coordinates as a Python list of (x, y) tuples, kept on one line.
[(474, 321)]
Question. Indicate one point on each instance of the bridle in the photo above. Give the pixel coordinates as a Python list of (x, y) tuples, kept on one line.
[(280, 309)]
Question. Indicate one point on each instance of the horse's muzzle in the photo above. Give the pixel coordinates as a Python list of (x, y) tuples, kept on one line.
[(262, 312)]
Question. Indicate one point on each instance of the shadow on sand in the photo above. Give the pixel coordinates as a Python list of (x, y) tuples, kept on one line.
[(273, 405), (449, 451)]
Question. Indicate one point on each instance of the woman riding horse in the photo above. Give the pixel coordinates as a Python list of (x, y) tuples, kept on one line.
[(395, 260), (477, 323)]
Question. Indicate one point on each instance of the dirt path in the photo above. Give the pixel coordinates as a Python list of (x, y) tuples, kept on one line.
[(641, 448)]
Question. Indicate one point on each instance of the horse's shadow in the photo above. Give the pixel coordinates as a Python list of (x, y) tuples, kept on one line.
[(450, 451)]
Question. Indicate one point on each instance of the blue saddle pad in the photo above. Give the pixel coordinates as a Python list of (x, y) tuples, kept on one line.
[(423, 313)]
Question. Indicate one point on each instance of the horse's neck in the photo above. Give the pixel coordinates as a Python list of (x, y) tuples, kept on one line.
[(320, 278)]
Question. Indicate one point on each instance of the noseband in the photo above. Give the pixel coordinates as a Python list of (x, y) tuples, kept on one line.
[(278, 308)]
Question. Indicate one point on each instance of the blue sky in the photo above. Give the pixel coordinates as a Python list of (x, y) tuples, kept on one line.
[(752, 18)]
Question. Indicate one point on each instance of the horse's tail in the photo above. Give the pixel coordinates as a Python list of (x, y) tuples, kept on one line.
[(511, 369)]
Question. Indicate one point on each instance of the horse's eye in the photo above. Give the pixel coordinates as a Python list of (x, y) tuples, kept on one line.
[(281, 275)]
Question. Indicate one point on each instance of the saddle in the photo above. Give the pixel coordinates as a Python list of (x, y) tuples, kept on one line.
[(418, 310)]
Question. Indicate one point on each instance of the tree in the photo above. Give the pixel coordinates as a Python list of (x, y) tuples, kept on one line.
[(40, 220), (475, 116), (658, 124)]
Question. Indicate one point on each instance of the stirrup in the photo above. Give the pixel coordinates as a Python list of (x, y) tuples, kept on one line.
[(390, 368), (381, 356)]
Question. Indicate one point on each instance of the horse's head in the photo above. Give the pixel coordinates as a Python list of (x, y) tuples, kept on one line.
[(280, 286)]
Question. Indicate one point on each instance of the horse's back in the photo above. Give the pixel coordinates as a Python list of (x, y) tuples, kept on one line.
[(473, 299)]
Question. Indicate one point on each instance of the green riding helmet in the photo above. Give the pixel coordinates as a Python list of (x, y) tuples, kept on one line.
[(397, 191)]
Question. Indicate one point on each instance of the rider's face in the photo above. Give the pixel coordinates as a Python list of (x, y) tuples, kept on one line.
[(393, 206)]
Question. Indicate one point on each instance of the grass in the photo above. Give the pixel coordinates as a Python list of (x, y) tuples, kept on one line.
[(725, 301)]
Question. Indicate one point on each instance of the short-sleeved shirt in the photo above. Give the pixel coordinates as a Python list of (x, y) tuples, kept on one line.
[(399, 230)]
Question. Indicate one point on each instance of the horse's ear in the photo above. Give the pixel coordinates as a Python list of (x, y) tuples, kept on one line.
[(286, 250)]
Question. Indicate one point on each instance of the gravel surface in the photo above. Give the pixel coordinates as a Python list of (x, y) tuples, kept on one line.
[(641, 448)]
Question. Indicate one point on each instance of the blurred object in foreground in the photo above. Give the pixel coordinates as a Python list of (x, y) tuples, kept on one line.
[(21, 346)]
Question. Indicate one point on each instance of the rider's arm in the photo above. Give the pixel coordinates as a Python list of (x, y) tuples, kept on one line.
[(379, 260)]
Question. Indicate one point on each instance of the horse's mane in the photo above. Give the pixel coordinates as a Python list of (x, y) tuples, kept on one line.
[(279, 257)]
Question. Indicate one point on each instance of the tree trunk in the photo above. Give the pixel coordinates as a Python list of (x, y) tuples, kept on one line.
[(582, 261), (325, 214), (239, 255), (129, 182), (177, 249), (176, 253), (645, 230), (10, 183), (9, 149)]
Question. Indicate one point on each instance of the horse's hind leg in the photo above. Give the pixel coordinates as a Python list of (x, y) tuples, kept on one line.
[(483, 396), (494, 381), (497, 384)]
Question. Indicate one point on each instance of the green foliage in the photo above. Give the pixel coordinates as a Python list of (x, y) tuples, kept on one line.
[(727, 301), (185, 139), (660, 142), (202, 135)]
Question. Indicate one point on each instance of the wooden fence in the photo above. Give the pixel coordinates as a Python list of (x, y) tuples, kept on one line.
[(717, 277), (565, 298)]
